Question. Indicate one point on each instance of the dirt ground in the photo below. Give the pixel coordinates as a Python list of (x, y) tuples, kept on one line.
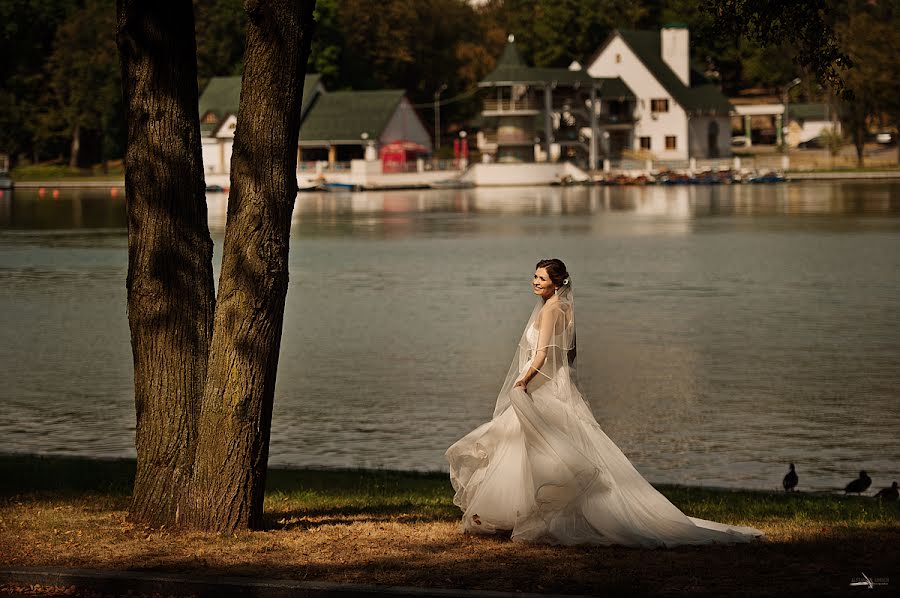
[(409, 549)]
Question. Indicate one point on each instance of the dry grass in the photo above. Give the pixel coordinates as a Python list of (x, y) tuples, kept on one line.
[(396, 529)]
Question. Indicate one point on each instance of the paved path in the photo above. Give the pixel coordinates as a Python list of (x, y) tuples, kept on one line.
[(174, 584)]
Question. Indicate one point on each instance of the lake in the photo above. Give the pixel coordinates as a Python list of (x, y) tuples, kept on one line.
[(723, 331)]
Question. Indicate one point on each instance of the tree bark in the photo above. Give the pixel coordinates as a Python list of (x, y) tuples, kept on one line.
[(170, 279), (74, 147), (233, 437)]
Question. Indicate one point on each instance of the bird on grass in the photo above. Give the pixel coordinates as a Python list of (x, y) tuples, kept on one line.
[(889, 493), (790, 480), (859, 485)]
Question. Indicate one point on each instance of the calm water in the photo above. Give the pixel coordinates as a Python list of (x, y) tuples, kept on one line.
[(723, 331)]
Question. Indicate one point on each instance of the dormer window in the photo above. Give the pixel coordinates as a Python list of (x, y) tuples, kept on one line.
[(659, 105), (209, 118)]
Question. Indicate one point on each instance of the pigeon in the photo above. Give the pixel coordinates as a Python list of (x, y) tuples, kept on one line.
[(859, 485), (790, 480), (889, 493)]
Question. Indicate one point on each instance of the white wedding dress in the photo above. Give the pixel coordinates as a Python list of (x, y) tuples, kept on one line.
[(543, 469)]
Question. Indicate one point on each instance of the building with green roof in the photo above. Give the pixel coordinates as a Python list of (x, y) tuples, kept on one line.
[(566, 111), (342, 124), (336, 126), (679, 113)]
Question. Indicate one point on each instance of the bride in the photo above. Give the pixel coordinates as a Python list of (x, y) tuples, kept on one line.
[(543, 469)]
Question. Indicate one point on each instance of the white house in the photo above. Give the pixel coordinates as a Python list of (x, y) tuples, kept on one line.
[(679, 114)]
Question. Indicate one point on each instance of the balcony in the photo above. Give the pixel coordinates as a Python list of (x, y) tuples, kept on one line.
[(508, 107)]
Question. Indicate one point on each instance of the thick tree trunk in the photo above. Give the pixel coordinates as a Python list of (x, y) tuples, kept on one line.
[(170, 280), (233, 439)]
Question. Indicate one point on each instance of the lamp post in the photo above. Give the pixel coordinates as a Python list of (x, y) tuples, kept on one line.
[(368, 147), (437, 117), (463, 150), (786, 125)]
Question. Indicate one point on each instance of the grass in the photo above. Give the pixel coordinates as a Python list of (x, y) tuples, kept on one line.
[(54, 172), (400, 528)]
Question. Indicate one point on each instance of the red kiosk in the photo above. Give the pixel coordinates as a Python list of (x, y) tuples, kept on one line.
[(400, 156)]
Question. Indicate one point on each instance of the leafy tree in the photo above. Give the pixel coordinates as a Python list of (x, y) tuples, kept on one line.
[(220, 26), (82, 77), (27, 30), (875, 77), (808, 24), (327, 54)]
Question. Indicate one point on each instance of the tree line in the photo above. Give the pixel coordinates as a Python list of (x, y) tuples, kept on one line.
[(60, 96)]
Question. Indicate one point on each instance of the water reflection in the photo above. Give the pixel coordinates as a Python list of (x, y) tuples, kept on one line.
[(723, 331)]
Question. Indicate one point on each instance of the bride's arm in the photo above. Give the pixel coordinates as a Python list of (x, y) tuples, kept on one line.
[(546, 333)]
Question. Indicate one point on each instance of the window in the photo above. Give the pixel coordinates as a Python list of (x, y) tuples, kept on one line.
[(618, 58), (209, 118), (659, 105), (670, 142), (645, 143)]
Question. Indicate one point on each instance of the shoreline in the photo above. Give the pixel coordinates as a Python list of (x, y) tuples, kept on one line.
[(790, 175)]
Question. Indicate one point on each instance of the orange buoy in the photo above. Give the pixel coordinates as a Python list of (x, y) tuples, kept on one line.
[(113, 192), (41, 192), (56, 194), (2, 193)]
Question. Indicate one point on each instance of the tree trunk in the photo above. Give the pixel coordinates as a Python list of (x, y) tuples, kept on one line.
[(74, 147), (170, 280), (233, 438)]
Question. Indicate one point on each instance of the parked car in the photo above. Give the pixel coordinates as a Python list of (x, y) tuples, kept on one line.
[(740, 141), (885, 138)]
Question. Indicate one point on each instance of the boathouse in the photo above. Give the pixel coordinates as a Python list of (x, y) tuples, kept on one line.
[(534, 114)]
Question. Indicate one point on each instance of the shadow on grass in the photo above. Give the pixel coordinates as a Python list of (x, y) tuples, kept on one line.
[(818, 565)]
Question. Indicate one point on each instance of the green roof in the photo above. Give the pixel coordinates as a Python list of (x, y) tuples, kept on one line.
[(613, 88), (511, 69), (809, 112), (343, 116), (222, 95), (701, 96)]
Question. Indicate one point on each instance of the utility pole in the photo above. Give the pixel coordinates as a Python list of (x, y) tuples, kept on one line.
[(437, 117)]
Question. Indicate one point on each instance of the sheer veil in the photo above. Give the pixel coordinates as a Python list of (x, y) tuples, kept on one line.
[(553, 324), (543, 468)]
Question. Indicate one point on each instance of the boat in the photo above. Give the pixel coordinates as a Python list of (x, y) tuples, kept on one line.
[(451, 184), (769, 177), (340, 186)]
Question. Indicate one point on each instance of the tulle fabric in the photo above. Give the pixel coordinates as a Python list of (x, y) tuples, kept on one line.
[(543, 469)]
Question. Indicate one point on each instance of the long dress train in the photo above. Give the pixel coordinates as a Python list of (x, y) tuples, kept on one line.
[(544, 470)]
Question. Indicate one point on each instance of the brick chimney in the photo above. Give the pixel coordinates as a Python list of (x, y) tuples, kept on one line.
[(676, 50)]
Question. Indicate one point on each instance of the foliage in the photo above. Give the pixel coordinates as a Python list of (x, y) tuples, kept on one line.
[(875, 78), (833, 141), (420, 45), (808, 23), (83, 77), (27, 30), (220, 26)]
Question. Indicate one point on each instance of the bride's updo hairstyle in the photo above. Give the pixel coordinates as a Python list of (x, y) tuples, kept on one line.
[(556, 269)]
